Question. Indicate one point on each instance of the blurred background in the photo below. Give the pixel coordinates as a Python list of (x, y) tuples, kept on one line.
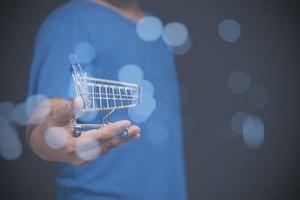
[(238, 65)]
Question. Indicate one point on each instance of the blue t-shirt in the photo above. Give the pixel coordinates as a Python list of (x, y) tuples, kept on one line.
[(149, 168)]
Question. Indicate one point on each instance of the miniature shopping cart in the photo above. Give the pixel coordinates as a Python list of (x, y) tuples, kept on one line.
[(100, 95)]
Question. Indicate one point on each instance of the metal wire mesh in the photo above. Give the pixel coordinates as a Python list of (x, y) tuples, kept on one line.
[(100, 94)]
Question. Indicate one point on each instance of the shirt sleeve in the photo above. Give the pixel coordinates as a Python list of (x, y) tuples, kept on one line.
[(50, 73)]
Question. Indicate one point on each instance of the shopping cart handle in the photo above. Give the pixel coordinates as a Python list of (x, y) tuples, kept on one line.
[(73, 59)]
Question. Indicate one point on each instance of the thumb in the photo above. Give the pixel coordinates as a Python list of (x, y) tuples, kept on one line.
[(65, 110), (77, 105)]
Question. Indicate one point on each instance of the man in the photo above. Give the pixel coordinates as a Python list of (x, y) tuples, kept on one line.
[(149, 168)]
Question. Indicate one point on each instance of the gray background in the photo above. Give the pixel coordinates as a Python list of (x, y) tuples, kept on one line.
[(218, 167)]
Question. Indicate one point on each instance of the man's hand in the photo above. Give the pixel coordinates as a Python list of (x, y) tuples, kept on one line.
[(52, 140)]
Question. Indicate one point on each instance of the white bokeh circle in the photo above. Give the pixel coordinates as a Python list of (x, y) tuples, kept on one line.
[(229, 30), (6, 110), (147, 87), (19, 114), (87, 148), (142, 111), (149, 28), (86, 52), (175, 34), (253, 131), (238, 82), (131, 73), (237, 121), (56, 137), (10, 145), (37, 108)]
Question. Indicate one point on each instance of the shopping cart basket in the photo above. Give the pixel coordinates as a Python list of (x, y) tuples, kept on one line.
[(100, 95)]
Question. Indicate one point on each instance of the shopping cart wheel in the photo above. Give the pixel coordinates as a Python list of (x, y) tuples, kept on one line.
[(77, 132), (124, 133)]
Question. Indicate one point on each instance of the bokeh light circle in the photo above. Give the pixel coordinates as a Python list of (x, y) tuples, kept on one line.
[(149, 28), (87, 148), (37, 108), (147, 87), (258, 96), (131, 73), (6, 110), (229, 30), (253, 131), (238, 82), (175, 34), (142, 111), (86, 52), (10, 145), (237, 121), (183, 49), (56, 137), (19, 114), (137, 118)]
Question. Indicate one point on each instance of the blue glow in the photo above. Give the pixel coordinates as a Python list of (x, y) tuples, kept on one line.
[(237, 121), (6, 110), (253, 131), (175, 34), (147, 87), (258, 96), (238, 82), (142, 112), (131, 73), (86, 52), (229, 30), (149, 28), (158, 133), (10, 146)]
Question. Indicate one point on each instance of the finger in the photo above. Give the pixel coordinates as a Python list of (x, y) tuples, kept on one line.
[(65, 110), (88, 148), (107, 132), (133, 132)]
